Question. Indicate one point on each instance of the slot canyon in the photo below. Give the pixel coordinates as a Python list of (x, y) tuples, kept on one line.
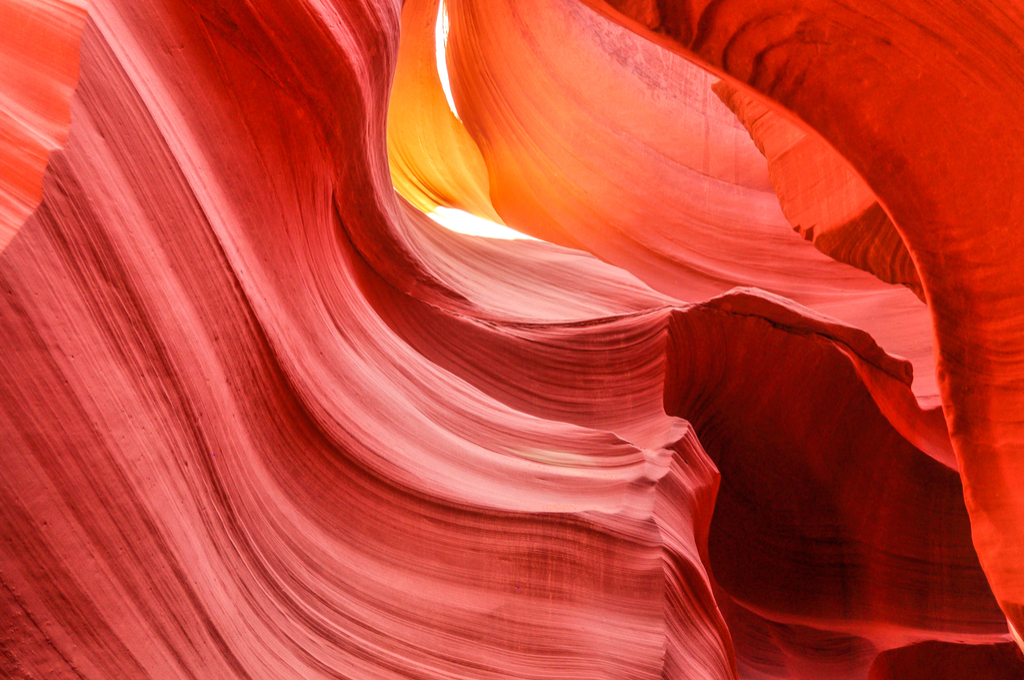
[(479, 339)]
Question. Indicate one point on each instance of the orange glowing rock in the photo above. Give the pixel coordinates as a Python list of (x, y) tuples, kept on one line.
[(916, 102), (433, 160), (821, 195), (39, 52)]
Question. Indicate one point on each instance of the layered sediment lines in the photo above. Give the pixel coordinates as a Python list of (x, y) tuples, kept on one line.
[(39, 54), (261, 417), (914, 98)]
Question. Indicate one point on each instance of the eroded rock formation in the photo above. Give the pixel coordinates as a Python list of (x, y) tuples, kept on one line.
[(262, 418)]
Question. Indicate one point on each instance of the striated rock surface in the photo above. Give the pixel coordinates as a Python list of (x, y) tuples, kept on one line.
[(597, 138), (39, 57), (262, 418), (914, 98), (821, 196)]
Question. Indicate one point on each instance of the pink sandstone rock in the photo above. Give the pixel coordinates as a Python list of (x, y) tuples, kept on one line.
[(262, 418)]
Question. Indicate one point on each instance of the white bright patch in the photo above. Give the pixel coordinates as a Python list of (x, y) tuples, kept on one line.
[(451, 218), (466, 223), (441, 51)]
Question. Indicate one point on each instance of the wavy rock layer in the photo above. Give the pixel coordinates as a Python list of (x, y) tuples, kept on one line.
[(433, 159), (686, 205), (39, 54), (913, 97), (821, 196), (263, 418)]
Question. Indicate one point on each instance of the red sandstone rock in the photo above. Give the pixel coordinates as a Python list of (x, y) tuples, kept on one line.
[(598, 139), (821, 196), (39, 53), (262, 418), (914, 98), (938, 660)]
